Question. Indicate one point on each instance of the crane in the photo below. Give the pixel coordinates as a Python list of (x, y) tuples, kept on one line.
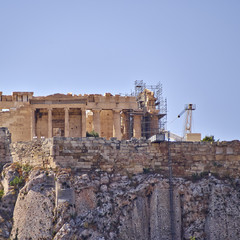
[(188, 121)]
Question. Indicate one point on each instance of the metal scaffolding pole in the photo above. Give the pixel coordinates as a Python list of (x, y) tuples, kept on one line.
[(172, 225)]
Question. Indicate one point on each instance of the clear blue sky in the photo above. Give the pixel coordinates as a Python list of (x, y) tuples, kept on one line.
[(96, 46)]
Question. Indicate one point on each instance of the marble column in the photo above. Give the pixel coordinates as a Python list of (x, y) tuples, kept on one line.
[(83, 110), (33, 125), (126, 125), (96, 121), (137, 126), (50, 130), (117, 124), (66, 121)]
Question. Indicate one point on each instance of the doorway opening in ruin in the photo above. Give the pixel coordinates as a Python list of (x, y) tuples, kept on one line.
[(58, 123)]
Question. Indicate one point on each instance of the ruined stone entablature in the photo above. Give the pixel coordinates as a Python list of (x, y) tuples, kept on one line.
[(28, 117)]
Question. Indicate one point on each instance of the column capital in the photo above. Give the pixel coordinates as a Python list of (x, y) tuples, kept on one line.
[(137, 116), (96, 110), (117, 110)]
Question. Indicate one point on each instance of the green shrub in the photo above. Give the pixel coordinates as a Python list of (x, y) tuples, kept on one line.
[(196, 176), (92, 134), (146, 170), (26, 168), (1, 193), (17, 182), (208, 139), (216, 164)]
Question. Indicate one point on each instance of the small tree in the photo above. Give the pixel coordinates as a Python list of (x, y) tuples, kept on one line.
[(208, 139)]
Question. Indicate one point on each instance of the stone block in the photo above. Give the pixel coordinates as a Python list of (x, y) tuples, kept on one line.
[(220, 157), (59, 158), (229, 150), (219, 150), (233, 158)]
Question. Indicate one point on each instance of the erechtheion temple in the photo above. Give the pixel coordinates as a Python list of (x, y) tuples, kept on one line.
[(28, 117)]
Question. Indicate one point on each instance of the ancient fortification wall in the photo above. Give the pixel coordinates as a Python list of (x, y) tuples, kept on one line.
[(5, 140), (35, 153), (135, 156)]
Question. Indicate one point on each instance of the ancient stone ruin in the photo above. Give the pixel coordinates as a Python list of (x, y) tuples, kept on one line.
[(131, 156), (28, 117)]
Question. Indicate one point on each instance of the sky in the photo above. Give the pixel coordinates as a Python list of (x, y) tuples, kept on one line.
[(97, 46)]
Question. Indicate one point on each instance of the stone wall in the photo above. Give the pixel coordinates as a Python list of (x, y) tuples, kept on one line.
[(18, 121), (5, 140), (102, 155), (35, 153), (134, 156)]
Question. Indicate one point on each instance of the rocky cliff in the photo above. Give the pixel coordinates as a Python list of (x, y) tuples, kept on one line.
[(60, 204), (64, 188)]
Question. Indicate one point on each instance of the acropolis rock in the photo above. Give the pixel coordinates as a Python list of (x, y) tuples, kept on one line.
[(118, 190), (84, 167)]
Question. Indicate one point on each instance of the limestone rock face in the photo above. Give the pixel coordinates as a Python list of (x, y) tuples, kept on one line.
[(148, 217), (7, 201), (223, 220), (210, 209), (101, 206), (33, 213)]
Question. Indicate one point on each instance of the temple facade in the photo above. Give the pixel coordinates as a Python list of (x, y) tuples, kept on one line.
[(28, 117)]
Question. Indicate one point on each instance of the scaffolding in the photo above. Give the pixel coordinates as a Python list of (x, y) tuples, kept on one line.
[(153, 115), (160, 105)]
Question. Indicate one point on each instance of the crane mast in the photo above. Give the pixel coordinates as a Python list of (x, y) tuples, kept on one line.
[(188, 120)]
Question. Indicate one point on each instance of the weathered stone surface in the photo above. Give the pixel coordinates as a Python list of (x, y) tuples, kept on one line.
[(29, 117), (7, 201), (135, 156), (33, 212), (120, 205), (135, 207)]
